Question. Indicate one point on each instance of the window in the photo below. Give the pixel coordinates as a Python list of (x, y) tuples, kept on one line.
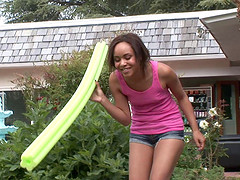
[(14, 101), (227, 97)]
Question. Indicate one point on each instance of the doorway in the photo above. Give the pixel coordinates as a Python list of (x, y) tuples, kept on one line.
[(228, 94)]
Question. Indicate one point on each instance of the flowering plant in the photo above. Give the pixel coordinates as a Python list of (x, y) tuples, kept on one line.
[(194, 164), (212, 129)]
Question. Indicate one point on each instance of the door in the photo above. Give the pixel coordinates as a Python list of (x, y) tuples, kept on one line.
[(228, 92)]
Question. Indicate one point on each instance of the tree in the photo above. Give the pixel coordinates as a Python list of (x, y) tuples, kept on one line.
[(172, 6), (45, 10), (216, 4), (30, 10)]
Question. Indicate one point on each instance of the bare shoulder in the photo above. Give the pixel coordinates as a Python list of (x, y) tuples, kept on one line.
[(113, 81), (113, 77), (116, 91), (169, 78), (165, 71)]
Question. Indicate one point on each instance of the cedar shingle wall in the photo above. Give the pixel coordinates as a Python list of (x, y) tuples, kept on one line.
[(174, 37)]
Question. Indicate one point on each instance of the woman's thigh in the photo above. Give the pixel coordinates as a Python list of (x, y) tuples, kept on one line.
[(140, 161), (166, 155)]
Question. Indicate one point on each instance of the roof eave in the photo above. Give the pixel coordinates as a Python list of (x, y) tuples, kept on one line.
[(225, 28)]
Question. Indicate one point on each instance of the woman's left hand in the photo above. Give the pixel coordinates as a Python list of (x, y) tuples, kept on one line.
[(199, 139)]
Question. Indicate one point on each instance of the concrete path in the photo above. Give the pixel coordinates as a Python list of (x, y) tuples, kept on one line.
[(232, 175)]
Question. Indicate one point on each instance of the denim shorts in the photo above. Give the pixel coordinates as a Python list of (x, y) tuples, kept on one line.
[(152, 140)]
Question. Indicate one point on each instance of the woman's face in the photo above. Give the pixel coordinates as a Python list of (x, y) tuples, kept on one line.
[(125, 59)]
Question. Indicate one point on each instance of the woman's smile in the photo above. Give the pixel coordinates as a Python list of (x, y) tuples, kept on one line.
[(124, 58), (125, 70)]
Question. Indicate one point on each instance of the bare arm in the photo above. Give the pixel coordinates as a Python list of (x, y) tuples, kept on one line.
[(171, 81), (120, 110)]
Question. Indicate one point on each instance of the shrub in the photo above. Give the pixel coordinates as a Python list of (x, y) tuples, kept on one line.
[(212, 129), (94, 147), (60, 80), (194, 164)]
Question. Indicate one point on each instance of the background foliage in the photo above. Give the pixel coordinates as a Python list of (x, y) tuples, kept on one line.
[(45, 10), (94, 147), (194, 164)]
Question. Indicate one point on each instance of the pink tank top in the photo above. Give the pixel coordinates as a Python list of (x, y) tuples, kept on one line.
[(153, 110)]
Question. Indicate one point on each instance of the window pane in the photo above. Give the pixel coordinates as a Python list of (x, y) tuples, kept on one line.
[(227, 97), (16, 103)]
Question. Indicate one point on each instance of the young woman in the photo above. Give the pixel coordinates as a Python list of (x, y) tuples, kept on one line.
[(156, 137)]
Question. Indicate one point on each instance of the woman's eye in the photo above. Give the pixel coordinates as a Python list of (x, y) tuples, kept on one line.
[(128, 57), (116, 59)]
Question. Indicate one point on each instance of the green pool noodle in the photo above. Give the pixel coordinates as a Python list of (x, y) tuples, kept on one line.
[(41, 146)]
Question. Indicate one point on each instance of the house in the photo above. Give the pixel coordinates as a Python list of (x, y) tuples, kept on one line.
[(197, 45)]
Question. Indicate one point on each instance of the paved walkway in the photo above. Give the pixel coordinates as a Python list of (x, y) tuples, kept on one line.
[(232, 175)]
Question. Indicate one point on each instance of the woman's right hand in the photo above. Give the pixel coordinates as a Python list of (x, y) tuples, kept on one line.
[(97, 94)]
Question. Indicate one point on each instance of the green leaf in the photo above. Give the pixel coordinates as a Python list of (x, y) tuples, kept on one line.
[(95, 172), (14, 167)]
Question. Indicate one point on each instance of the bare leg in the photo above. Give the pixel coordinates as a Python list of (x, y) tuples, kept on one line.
[(140, 161), (166, 155)]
